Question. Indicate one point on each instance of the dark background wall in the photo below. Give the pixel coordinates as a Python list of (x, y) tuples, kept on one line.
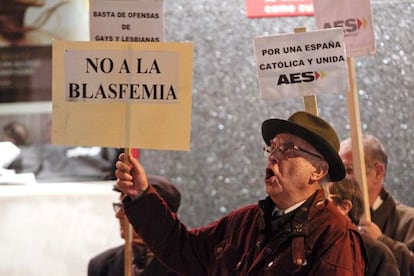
[(225, 167)]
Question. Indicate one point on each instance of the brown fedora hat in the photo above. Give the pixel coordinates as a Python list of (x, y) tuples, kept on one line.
[(315, 131)]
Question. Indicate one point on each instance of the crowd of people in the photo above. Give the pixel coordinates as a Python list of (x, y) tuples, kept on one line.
[(310, 223), (392, 223)]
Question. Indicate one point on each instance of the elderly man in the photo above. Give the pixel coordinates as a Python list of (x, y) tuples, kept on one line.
[(392, 222), (308, 236)]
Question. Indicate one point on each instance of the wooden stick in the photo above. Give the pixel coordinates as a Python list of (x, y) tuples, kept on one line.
[(358, 159), (128, 239), (310, 101), (311, 104), (128, 249)]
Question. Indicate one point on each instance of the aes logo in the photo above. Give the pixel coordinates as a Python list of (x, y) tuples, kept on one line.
[(348, 25), (300, 77)]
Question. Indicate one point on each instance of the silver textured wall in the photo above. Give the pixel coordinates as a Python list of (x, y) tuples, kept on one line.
[(225, 167)]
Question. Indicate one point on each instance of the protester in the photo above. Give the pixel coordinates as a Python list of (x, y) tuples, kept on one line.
[(111, 261), (392, 222), (346, 195), (309, 238), (16, 132)]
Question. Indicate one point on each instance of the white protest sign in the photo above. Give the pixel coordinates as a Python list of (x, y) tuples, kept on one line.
[(301, 64), (355, 17), (126, 20), (122, 94)]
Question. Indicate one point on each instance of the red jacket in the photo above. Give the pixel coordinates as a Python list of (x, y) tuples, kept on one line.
[(239, 243)]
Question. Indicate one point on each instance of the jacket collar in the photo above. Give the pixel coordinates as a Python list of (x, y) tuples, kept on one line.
[(299, 223), (305, 212)]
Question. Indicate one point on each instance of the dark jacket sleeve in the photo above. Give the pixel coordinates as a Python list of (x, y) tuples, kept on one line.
[(381, 261), (403, 255), (398, 235), (182, 250)]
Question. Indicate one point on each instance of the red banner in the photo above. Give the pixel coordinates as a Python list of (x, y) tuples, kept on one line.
[(275, 8)]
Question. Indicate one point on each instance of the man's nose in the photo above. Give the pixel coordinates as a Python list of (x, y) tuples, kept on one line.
[(273, 159)]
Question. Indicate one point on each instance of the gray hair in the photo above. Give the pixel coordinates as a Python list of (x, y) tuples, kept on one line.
[(374, 150)]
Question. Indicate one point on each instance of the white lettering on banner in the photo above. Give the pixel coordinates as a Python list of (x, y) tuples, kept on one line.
[(276, 9), (270, 9), (306, 8)]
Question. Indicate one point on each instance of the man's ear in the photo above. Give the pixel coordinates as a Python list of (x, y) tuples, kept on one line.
[(379, 169), (346, 206), (320, 171)]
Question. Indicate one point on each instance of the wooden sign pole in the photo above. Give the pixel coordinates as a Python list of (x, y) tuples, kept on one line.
[(358, 158), (128, 239), (128, 249), (311, 106), (310, 101)]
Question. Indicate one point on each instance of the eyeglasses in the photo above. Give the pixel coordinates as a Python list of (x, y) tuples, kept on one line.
[(117, 206), (287, 151)]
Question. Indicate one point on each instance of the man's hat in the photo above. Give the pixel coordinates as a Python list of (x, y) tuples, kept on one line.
[(315, 131), (165, 189)]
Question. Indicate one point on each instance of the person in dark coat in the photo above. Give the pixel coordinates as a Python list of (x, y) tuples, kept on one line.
[(391, 221), (111, 261), (293, 231), (347, 197)]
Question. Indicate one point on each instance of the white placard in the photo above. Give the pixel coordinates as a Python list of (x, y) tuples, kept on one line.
[(301, 64), (127, 21), (129, 95), (354, 17)]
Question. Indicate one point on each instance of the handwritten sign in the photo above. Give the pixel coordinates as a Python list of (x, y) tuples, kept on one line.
[(122, 94), (301, 64), (127, 21), (354, 17)]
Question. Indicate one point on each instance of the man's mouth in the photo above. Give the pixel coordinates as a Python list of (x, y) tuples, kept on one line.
[(269, 174)]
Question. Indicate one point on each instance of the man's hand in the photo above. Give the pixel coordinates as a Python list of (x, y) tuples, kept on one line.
[(370, 229), (131, 177)]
